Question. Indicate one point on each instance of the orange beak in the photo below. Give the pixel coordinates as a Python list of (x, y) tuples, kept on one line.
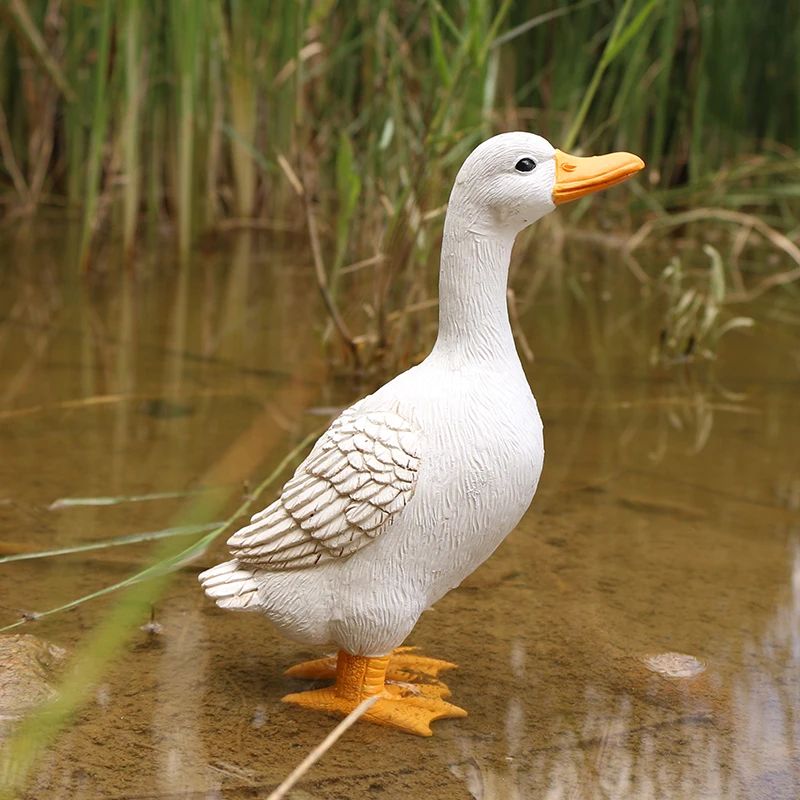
[(577, 177)]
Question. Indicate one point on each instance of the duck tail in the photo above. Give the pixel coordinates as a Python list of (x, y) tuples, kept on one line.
[(231, 586)]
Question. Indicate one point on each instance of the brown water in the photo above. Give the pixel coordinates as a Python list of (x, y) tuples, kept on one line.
[(668, 520)]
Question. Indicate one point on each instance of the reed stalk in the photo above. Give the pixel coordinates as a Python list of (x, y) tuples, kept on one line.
[(131, 127), (376, 103), (97, 132), (185, 23), (242, 101)]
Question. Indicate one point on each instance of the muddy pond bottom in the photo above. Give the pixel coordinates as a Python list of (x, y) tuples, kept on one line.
[(637, 636)]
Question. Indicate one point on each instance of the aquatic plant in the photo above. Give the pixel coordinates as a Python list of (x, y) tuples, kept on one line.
[(694, 319)]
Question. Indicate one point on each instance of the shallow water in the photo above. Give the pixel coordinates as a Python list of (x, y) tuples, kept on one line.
[(667, 520)]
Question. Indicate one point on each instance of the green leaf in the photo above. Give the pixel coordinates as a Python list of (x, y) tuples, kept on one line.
[(732, 324), (348, 183), (439, 57), (348, 190), (133, 538), (630, 30), (386, 134), (717, 273)]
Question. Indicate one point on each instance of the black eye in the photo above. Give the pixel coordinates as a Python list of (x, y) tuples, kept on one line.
[(525, 165)]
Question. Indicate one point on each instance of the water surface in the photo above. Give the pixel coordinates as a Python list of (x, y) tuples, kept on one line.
[(667, 520)]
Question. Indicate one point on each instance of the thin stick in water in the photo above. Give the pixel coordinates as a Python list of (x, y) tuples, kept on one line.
[(322, 748)]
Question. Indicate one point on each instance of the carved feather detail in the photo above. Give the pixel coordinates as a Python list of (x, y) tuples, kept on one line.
[(360, 475)]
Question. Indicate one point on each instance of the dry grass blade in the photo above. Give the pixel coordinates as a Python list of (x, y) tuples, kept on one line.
[(365, 262), (540, 20), (291, 175), (323, 747), (97, 400), (774, 237)]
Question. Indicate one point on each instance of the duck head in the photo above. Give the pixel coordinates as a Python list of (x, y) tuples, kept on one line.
[(514, 179)]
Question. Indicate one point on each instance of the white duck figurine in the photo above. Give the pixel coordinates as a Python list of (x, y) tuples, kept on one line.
[(414, 486)]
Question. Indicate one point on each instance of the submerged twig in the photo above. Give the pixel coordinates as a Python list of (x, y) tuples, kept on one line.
[(105, 399), (323, 747)]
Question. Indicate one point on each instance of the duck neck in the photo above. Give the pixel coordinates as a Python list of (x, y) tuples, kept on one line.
[(473, 308)]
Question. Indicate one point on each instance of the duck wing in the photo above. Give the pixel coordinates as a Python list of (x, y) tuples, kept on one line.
[(360, 475)]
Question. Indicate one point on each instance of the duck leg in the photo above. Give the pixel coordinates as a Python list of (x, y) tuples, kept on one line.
[(406, 665), (409, 708)]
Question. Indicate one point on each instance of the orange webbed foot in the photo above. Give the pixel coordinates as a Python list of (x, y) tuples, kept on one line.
[(404, 702)]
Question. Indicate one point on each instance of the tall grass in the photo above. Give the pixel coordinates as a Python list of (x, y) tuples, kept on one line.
[(687, 82), (253, 112)]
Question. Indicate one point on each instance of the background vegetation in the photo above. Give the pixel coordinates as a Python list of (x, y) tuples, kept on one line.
[(346, 121)]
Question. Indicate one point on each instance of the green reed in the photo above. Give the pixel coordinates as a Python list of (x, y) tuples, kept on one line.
[(130, 131), (97, 130), (145, 115)]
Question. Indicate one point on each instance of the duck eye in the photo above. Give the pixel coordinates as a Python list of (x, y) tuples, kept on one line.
[(525, 165)]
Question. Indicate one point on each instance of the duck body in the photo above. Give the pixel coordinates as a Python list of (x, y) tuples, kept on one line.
[(481, 454), (414, 486)]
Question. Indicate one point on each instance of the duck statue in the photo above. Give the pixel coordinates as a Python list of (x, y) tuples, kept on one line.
[(414, 486)]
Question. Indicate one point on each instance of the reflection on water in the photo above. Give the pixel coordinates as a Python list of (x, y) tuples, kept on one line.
[(666, 522)]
